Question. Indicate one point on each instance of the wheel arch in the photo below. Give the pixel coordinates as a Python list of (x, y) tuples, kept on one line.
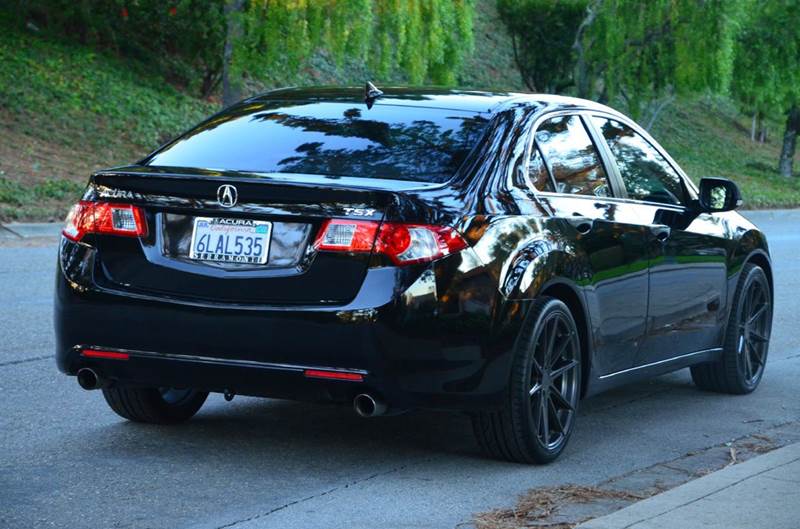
[(568, 294), (758, 257), (553, 267)]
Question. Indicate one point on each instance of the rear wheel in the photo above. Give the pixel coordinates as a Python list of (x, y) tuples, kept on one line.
[(744, 355), (154, 405), (543, 393)]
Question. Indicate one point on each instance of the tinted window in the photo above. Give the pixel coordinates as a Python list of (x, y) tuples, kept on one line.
[(538, 177), (339, 139), (646, 173), (572, 157)]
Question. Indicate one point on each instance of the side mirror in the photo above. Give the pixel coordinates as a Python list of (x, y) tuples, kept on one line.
[(719, 194)]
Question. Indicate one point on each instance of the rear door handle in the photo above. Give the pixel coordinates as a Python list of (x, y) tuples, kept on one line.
[(660, 231), (582, 224)]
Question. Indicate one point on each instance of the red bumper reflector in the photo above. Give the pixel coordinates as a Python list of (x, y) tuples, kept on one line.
[(111, 355), (333, 375)]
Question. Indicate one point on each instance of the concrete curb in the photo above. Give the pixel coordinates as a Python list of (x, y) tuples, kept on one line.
[(771, 481), (756, 215), (27, 230)]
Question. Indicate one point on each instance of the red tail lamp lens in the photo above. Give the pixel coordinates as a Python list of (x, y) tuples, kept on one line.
[(347, 235), (402, 243), (110, 355), (333, 375), (105, 218), (417, 243)]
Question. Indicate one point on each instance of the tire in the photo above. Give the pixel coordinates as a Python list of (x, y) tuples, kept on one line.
[(518, 431), (744, 352), (154, 405)]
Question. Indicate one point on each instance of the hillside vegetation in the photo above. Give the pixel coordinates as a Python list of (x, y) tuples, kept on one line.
[(66, 110), (709, 137)]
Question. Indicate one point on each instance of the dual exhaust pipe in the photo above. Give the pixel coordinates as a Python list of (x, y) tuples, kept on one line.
[(366, 405), (89, 379)]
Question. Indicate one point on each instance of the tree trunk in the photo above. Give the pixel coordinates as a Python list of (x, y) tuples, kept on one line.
[(523, 72), (231, 83), (762, 128), (582, 79), (211, 79), (754, 127), (786, 163)]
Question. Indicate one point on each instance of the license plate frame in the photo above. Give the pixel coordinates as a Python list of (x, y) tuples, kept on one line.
[(221, 233)]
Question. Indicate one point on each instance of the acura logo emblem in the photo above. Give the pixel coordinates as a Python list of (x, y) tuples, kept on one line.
[(227, 196)]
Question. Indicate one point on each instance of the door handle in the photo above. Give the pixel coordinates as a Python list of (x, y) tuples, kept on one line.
[(660, 231), (583, 224)]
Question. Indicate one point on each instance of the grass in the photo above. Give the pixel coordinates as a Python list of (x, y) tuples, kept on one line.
[(67, 110)]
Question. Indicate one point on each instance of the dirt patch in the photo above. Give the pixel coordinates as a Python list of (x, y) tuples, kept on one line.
[(541, 507), (34, 162), (28, 158), (566, 506)]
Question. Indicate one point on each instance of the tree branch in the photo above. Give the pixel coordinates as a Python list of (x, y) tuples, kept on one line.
[(664, 102), (581, 73), (520, 67)]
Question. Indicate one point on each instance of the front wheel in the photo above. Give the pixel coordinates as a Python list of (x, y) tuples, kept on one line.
[(543, 393), (744, 353), (154, 405)]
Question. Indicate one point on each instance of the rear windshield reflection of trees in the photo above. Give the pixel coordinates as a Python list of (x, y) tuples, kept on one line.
[(418, 150), (331, 139)]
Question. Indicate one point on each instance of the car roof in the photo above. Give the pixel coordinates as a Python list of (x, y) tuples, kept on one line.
[(477, 101)]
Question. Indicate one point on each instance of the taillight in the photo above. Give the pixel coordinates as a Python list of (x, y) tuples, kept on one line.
[(402, 243), (417, 243), (103, 217), (347, 235)]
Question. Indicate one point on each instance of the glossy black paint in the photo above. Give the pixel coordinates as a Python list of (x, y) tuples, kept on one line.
[(649, 285)]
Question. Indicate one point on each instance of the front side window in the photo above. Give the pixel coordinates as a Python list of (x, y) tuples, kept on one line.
[(572, 157), (645, 172)]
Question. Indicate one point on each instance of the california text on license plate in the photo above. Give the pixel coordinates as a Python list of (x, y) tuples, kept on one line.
[(230, 240)]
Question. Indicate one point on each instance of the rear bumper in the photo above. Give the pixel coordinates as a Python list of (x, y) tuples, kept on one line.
[(411, 348)]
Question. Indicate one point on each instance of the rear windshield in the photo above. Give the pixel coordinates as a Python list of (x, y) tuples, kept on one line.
[(335, 139)]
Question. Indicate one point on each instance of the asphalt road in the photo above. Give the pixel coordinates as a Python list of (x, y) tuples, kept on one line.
[(67, 461)]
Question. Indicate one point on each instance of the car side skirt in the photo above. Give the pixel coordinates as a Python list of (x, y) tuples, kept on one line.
[(611, 380)]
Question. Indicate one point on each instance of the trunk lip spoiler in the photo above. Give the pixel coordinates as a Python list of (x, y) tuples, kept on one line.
[(291, 179)]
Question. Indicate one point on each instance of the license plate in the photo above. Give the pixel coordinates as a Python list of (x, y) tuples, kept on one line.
[(230, 240)]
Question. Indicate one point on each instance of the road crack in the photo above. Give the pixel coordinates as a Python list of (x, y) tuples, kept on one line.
[(312, 497), (25, 360)]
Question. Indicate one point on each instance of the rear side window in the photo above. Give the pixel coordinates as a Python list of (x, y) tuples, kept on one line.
[(330, 138), (647, 175), (538, 176), (572, 157)]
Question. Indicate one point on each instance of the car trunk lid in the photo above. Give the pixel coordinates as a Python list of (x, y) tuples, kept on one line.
[(294, 209)]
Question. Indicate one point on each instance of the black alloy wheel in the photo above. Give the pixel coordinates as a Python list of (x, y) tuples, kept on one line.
[(746, 345), (544, 390)]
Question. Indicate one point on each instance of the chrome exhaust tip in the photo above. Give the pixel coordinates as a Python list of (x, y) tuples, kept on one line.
[(366, 405), (88, 379)]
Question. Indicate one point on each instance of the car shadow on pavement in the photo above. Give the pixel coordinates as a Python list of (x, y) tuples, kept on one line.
[(253, 430)]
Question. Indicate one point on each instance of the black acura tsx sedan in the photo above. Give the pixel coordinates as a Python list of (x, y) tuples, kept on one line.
[(504, 255)]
